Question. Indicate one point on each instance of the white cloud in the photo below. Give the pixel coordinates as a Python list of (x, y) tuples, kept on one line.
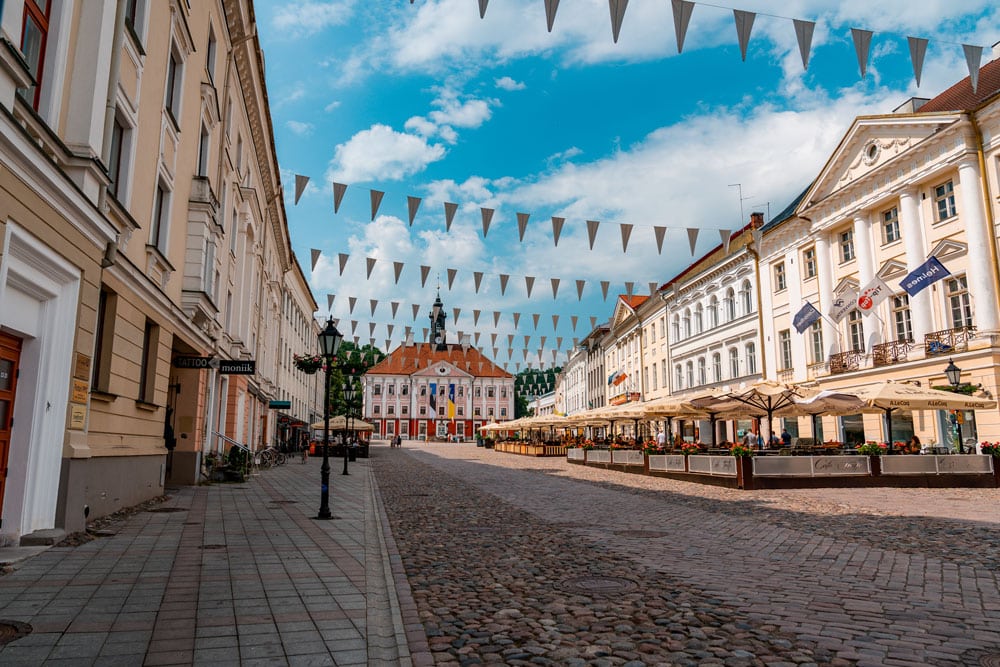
[(299, 128), (331, 106), (381, 153), (421, 126), (308, 18), (507, 83), (470, 113)]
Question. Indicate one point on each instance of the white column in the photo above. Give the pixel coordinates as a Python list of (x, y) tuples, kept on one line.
[(866, 271), (980, 271), (769, 337), (824, 275), (916, 251), (800, 360)]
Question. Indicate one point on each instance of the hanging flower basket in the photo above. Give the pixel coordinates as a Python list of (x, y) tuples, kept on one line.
[(308, 363)]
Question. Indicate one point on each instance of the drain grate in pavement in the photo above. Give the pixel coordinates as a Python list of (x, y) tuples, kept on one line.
[(12, 631), (597, 585), (192, 523), (646, 534), (992, 660), (166, 510), (212, 547), (283, 502)]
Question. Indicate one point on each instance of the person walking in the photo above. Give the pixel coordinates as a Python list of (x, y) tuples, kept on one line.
[(305, 453)]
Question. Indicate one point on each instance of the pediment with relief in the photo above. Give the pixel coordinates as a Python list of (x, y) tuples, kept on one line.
[(949, 249), (892, 269), (868, 145)]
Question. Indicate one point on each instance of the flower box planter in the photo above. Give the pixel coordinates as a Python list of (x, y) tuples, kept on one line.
[(628, 457)]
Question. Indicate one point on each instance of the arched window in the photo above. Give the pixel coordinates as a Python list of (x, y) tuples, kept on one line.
[(699, 319), (678, 377), (690, 373), (687, 323), (676, 327), (745, 298), (713, 312), (702, 374), (751, 358), (730, 303), (734, 362), (857, 331), (716, 367)]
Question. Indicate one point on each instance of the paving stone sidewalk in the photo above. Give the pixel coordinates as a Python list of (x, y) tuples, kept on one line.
[(536, 561), (222, 574)]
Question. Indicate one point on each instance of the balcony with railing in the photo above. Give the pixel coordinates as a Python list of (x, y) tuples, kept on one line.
[(844, 362), (948, 341), (891, 352)]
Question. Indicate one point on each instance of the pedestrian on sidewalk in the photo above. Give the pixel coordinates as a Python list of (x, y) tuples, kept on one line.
[(305, 453)]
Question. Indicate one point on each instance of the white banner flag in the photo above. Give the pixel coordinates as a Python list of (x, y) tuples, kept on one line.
[(873, 294), (844, 302)]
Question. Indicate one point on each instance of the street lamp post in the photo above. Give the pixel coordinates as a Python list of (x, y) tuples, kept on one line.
[(954, 375), (329, 342), (349, 392)]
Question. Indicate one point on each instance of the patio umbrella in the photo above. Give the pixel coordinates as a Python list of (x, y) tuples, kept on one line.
[(888, 396), (340, 423), (764, 397), (691, 406), (827, 402)]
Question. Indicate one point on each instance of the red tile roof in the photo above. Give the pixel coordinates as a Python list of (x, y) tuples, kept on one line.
[(960, 96), (633, 301), (407, 360)]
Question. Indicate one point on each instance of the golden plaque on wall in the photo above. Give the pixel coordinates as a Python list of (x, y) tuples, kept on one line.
[(80, 388), (82, 370), (77, 416)]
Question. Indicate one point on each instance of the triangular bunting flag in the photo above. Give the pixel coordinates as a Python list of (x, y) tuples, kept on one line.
[(476, 339), (338, 195), (496, 318), (626, 233), (555, 322), (496, 352), (658, 232), (604, 288), (725, 235), (475, 317), (529, 283), (522, 224), (397, 268), (576, 341), (329, 301), (510, 340), (524, 353), (449, 214), (376, 202), (592, 226), (555, 287), (478, 278), (388, 330), (744, 24), (451, 277), (356, 339), (535, 317), (629, 288), (550, 12), (300, 185), (527, 338), (617, 14), (374, 304), (557, 225), (579, 289), (342, 257), (457, 312), (412, 204), (573, 320), (315, 257), (416, 311), (425, 338), (370, 261), (804, 35), (653, 287), (354, 326), (388, 342), (487, 219), (503, 283), (371, 330), (682, 16), (593, 322), (973, 56), (395, 306), (424, 270), (541, 341), (918, 47), (692, 238), (351, 300), (517, 319), (482, 8), (862, 46), (493, 339), (559, 342)]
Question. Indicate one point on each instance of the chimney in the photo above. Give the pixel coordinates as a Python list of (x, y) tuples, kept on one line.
[(756, 220)]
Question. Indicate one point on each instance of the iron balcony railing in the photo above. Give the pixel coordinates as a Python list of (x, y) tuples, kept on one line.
[(948, 341)]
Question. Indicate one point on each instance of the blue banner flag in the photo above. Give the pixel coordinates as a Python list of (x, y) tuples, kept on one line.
[(434, 398), (919, 278), (806, 317)]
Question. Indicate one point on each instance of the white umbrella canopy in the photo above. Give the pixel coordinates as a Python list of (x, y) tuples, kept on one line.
[(902, 396), (342, 423)]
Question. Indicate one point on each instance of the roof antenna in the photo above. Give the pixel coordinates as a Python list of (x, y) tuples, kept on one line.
[(743, 219)]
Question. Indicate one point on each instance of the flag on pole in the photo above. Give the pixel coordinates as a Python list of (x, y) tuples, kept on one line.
[(872, 295), (451, 401), (433, 398), (844, 302), (919, 278), (806, 317)]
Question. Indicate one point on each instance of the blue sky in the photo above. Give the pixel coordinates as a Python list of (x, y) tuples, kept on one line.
[(428, 100)]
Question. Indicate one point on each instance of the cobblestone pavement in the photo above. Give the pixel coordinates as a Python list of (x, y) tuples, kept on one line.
[(522, 560)]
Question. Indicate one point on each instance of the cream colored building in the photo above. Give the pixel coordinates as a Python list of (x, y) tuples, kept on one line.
[(899, 189), (623, 346), (143, 234)]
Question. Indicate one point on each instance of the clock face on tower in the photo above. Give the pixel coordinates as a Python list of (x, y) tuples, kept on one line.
[(442, 370), (437, 339)]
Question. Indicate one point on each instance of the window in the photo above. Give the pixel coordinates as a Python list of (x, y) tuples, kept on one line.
[(663, 324), (478, 392), (713, 312), (161, 213), (944, 200), (229, 309), (901, 317), (687, 323), (779, 277), (652, 332), (702, 374), (958, 302), (423, 390), (390, 389), (133, 17), (441, 411), (645, 373), (461, 411), (117, 167), (404, 409), (676, 327), (785, 345), (734, 363), (699, 320), (476, 412), (376, 390), (856, 330), (745, 298), (890, 225), (208, 272), (663, 373), (203, 145), (730, 304), (816, 334), (461, 391), (503, 412), (846, 246), (376, 409), (503, 392), (172, 97), (678, 377), (809, 262), (716, 367), (751, 358), (104, 340), (490, 392), (147, 367), (690, 374), (210, 55), (423, 410), (34, 35), (390, 410)]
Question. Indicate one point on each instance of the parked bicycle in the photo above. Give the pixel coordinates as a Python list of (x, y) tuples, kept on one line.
[(270, 457)]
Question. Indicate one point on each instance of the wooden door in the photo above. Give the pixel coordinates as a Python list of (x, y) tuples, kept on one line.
[(10, 354)]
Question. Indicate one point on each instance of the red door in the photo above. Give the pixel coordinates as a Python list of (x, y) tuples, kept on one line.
[(10, 354)]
